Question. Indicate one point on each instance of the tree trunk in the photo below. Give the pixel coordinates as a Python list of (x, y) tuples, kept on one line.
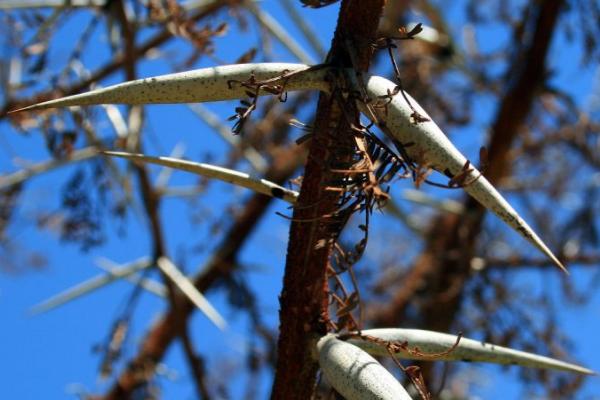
[(304, 296)]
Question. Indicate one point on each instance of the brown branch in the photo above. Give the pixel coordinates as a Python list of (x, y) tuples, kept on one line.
[(303, 300), (284, 161), (196, 364), (222, 263), (113, 66), (149, 196), (530, 68)]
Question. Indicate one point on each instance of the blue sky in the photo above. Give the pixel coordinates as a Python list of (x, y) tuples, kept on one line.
[(50, 356)]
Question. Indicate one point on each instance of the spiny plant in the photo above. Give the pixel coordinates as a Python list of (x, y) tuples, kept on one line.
[(421, 142), (413, 145), (343, 355)]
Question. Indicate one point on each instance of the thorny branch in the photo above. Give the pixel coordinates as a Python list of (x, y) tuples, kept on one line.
[(347, 172), (315, 225)]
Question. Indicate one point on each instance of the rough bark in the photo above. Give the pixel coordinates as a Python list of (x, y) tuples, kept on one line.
[(304, 299)]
